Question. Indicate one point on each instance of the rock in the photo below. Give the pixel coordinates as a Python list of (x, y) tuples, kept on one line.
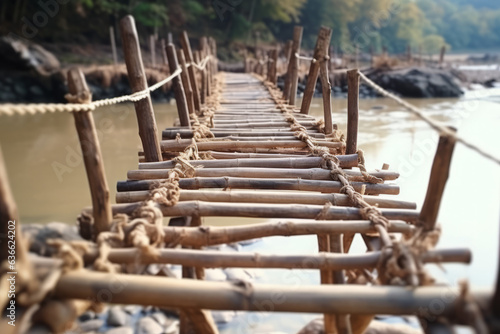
[(132, 309), (17, 54), (223, 317), (148, 326), (89, 315), (418, 82), (173, 328), (160, 318), (39, 234), (121, 330), (91, 325), (117, 317)]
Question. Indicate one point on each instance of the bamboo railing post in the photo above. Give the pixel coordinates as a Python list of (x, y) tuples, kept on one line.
[(342, 321), (320, 52), (170, 38), (274, 67), (92, 156), (137, 77), (186, 81), (164, 51), (11, 238), (204, 72), (152, 48), (441, 55), (288, 52), (188, 54), (201, 78), (180, 96), (113, 44), (437, 181), (326, 278), (352, 111), (292, 77), (326, 89), (269, 64), (495, 301)]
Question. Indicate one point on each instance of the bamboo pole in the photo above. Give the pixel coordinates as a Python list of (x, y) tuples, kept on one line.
[(326, 278), (310, 173), (13, 248), (201, 55), (291, 83), (180, 96), (186, 134), (324, 261), (181, 145), (137, 77), (164, 51), (91, 152), (327, 97), (256, 183), (342, 321), (208, 209), (309, 162), (152, 48), (188, 54), (187, 85), (320, 52), (352, 111), (171, 292), (113, 44), (255, 196), (213, 235), (437, 181)]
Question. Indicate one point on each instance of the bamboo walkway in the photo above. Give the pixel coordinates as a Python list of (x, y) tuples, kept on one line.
[(240, 148)]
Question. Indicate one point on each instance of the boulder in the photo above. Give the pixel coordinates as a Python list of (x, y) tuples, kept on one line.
[(17, 54), (418, 82)]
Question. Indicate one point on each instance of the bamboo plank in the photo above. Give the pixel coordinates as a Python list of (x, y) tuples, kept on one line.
[(255, 183)]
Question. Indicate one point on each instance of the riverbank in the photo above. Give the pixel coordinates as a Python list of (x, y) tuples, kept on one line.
[(37, 74)]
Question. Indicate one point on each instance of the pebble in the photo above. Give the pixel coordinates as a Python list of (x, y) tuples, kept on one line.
[(173, 328), (117, 317), (121, 330), (132, 309), (160, 318), (89, 315), (91, 325), (148, 326)]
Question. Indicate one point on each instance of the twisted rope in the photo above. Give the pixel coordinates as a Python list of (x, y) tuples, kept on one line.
[(433, 124)]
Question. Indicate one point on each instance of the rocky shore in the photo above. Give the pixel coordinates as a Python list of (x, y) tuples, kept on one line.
[(34, 75)]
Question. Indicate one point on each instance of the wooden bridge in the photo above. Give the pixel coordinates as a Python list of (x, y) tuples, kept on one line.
[(242, 149)]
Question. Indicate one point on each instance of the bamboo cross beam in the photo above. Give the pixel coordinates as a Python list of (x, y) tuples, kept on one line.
[(271, 173), (437, 181), (137, 77), (187, 134), (320, 52), (180, 96), (176, 293), (91, 153), (256, 183), (308, 162), (252, 210), (218, 259), (212, 235), (251, 146), (255, 196)]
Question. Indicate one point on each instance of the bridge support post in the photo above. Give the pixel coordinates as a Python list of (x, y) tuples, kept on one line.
[(188, 54), (180, 96), (92, 156), (352, 111), (137, 77)]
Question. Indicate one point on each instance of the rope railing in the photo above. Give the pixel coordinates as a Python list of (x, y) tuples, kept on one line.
[(433, 124), (10, 109), (298, 56)]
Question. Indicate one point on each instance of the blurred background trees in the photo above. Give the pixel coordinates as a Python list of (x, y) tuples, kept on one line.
[(424, 25)]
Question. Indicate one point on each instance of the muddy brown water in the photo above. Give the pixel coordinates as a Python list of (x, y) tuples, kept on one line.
[(49, 182)]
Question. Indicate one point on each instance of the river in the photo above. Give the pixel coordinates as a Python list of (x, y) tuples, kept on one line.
[(49, 182)]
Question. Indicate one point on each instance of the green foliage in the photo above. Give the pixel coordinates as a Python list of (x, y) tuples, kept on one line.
[(362, 24)]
